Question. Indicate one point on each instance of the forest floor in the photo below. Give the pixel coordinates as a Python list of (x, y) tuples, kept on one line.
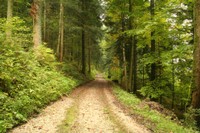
[(91, 108)]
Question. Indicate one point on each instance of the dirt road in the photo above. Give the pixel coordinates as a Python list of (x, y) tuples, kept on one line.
[(97, 112)]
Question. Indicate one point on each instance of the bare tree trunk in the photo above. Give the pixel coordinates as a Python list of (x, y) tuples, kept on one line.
[(62, 32), (131, 68), (196, 92), (130, 82), (60, 45), (45, 21), (9, 19), (153, 45), (173, 82), (59, 37), (124, 55), (73, 51), (36, 14), (83, 42), (89, 55), (133, 59), (134, 64), (83, 53)]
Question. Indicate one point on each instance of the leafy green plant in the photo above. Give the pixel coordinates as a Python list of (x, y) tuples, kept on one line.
[(189, 116), (152, 118), (29, 80)]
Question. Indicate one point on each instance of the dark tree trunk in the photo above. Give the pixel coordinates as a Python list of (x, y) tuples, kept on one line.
[(124, 83), (62, 31), (45, 21), (83, 52), (173, 80), (196, 92), (83, 41), (153, 43), (135, 65), (89, 54), (60, 45), (130, 82)]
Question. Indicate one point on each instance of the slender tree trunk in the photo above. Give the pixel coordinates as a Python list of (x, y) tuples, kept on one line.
[(196, 92), (130, 82), (173, 82), (44, 21), (59, 37), (131, 67), (89, 55), (62, 32), (73, 52), (83, 52), (153, 43), (60, 45), (135, 65), (9, 19), (173, 78), (36, 10), (83, 42), (133, 59), (124, 55)]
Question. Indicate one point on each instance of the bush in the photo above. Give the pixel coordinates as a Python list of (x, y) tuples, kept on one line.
[(28, 80), (152, 119)]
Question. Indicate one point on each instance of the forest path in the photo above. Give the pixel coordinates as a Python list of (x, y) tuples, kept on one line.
[(97, 112)]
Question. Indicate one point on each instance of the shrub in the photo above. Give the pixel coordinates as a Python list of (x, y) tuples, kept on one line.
[(28, 79)]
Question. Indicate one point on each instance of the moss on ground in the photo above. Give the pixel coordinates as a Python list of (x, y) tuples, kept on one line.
[(69, 120)]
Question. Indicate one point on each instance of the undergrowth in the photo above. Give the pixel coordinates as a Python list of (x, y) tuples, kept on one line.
[(154, 120), (29, 79)]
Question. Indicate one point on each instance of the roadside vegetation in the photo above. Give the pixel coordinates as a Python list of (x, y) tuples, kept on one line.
[(29, 82), (29, 79), (151, 118)]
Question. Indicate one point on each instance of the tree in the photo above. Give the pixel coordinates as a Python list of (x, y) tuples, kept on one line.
[(133, 54), (45, 21), (60, 46), (153, 43), (124, 66), (83, 7), (196, 93), (9, 19), (161, 47), (36, 11)]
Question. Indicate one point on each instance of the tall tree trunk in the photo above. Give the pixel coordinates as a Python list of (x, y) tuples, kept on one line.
[(124, 54), (89, 55), (196, 92), (73, 50), (134, 65), (83, 42), (130, 82), (62, 31), (133, 60), (59, 37), (36, 10), (45, 21), (60, 45), (9, 19), (83, 52), (173, 82), (36, 14), (153, 43), (131, 67)]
